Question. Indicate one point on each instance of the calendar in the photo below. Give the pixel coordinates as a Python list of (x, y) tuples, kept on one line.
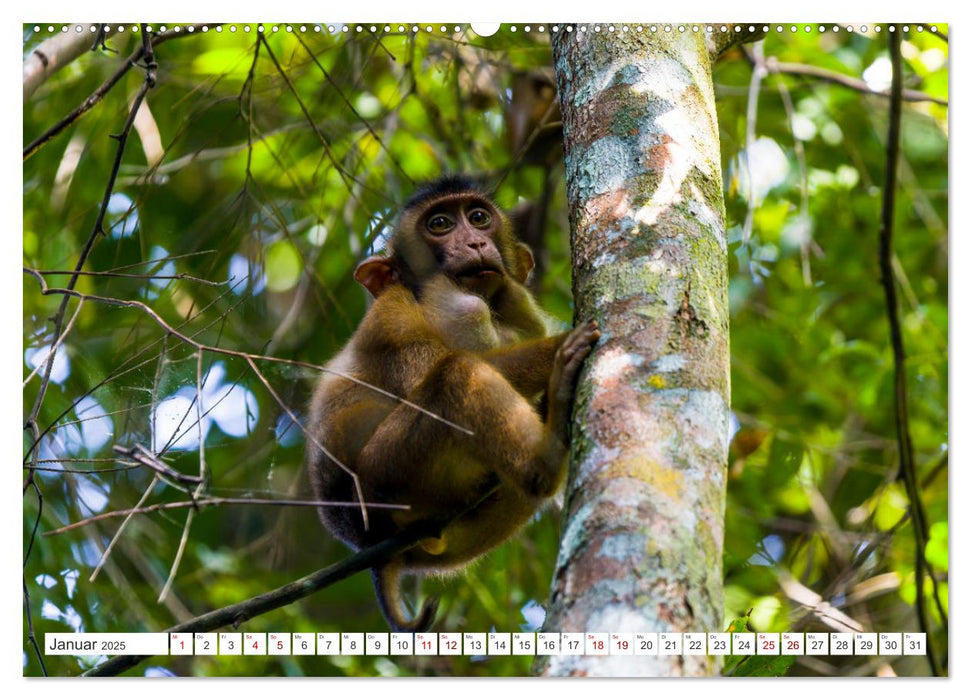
[(397, 344), (891, 644)]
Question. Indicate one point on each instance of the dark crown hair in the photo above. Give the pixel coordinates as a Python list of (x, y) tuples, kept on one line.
[(447, 184)]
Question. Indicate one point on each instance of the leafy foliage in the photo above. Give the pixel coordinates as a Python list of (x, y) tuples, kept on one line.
[(283, 162)]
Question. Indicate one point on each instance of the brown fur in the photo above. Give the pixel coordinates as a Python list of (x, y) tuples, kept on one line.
[(470, 347)]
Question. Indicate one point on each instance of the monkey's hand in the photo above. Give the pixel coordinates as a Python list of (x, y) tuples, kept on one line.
[(566, 367)]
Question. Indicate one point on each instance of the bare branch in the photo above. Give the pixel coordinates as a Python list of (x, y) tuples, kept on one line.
[(775, 66), (121, 528), (52, 55), (239, 613), (719, 41), (905, 448), (216, 501), (99, 273), (57, 343), (130, 303), (95, 97), (145, 457), (935, 31)]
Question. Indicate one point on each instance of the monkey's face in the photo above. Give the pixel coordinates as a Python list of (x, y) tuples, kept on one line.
[(462, 232)]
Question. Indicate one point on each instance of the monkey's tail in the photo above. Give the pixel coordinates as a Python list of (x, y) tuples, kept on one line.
[(387, 587)]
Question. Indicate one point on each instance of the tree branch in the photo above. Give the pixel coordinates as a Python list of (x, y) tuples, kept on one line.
[(905, 448), (214, 501), (95, 97), (53, 54), (719, 42), (238, 613), (774, 66), (171, 330)]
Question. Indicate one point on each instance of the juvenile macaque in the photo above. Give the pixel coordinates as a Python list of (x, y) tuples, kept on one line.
[(454, 330)]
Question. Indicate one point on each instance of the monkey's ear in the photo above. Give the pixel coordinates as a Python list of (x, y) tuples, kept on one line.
[(524, 263), (377, 273)]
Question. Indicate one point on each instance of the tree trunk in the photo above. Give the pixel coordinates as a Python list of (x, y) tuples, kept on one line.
[(644, 519)]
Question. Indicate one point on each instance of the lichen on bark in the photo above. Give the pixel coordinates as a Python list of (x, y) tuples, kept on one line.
[(643, 523)]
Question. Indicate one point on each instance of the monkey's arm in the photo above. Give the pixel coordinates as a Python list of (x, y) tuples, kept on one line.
[(527, 366)]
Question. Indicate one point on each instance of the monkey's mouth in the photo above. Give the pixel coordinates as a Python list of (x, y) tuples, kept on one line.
[(478, 271)]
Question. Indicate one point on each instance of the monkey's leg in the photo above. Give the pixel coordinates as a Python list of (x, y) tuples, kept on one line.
[(433, 467), (478, 531)]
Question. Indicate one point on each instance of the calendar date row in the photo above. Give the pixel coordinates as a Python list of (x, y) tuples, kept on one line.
[(488, 644)]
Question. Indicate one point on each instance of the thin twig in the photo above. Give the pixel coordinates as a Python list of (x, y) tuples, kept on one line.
[(31, 636), (775, 66), (57, 343), (239, 613), (97, 273), (144, 456), (345, 177), (95, 97), (203, 480), (350, 106), (905, 449), (62, 470), (313, 439), (131, 303), (934, 471), (217, 501), (121, 528), (751, 114), (797, 148), (935, 31), (177, 560)]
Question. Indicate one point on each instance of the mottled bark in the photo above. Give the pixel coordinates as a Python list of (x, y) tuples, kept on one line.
[(644, 519)]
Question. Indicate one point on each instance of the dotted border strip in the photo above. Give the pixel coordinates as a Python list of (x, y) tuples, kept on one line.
[(512, 28)]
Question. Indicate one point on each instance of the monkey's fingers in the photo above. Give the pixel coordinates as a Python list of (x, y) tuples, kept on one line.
[(576, 358), (588, 333), (578, 345)]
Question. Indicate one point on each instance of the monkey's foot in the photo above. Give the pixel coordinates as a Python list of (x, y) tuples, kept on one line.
[(433, 545)]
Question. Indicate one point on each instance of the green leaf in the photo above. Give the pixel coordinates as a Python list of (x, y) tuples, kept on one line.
[(732, 661), (784, 460), (764, 666), (936, 549)]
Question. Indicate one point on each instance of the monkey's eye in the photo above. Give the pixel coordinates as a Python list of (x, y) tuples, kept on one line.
[(439, 224), (479, 218)]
